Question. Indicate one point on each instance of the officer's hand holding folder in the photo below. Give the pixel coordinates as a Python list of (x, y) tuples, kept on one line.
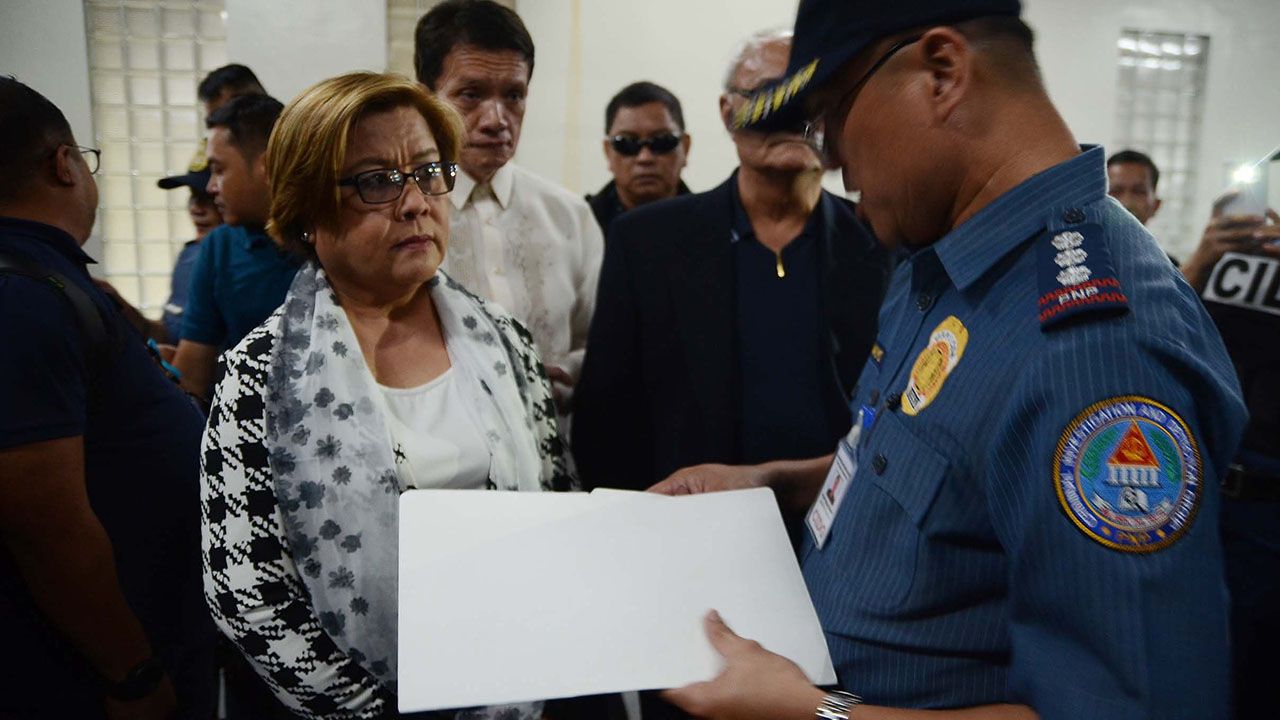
[(514, 597)]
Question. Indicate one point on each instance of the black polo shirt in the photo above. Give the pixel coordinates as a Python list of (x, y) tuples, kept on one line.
[(781, 356), (141, 444)]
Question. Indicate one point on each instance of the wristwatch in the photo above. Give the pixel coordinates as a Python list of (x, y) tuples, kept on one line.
[(141, 680), (837, 705)]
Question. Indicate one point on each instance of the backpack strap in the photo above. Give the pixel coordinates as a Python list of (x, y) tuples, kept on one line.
[(99, 344)]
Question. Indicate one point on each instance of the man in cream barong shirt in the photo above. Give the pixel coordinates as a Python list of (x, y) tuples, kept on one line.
[(517, 239), (533, 248)]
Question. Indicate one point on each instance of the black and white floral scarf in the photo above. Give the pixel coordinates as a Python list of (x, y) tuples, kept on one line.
[(332, 456)]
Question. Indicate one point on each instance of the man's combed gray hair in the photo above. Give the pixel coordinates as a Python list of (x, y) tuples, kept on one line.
[(750, 45)]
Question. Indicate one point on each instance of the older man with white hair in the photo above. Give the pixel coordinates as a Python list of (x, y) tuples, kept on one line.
[(730, 325)]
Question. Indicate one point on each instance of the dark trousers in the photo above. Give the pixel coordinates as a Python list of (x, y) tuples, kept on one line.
[(1251, 541)]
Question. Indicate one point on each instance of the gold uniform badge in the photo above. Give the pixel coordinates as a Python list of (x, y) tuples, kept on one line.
[(941, 354)]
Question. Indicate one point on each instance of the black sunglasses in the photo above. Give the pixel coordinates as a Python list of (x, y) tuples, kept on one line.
[(387, 185), (658, 144)]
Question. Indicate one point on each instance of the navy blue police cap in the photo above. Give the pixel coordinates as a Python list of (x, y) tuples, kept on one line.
[(196, 177), (829, 33)]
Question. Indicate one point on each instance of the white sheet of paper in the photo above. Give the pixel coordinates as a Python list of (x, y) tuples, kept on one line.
[(514, 597)]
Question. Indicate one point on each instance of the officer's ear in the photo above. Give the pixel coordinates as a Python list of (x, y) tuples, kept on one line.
[(949, 58)]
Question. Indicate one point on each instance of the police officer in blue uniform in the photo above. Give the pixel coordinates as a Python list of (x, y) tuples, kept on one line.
[(1024, 520)]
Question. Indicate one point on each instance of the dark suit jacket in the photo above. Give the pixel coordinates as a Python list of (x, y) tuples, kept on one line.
[(658, 390), (606, 205)]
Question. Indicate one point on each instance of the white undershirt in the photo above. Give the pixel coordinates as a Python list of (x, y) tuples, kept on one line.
[(437, 443)]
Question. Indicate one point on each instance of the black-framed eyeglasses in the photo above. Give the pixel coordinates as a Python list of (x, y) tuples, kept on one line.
[(833, 115), (387, 184), (92, 156), (658, 144)]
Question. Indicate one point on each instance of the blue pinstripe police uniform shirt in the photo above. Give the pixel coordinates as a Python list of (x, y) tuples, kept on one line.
[(1033, 518)]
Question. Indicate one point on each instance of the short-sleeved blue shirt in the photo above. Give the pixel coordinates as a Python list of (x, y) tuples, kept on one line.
[(179, 285), (141, 452), (239, 279), (1034, 516)]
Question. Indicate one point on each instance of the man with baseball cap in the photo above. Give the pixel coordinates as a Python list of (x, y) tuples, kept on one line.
[(1023, 521), (204, 217)]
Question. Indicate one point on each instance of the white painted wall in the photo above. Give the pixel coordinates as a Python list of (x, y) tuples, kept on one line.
[(682, 45), (293, 44), (42, 44), (588, 49), (685, 46)]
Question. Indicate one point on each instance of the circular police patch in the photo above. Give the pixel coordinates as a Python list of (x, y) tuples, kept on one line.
[(1128, 474)]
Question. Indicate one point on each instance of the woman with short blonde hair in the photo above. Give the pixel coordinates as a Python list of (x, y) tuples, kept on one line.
[(306, 152), (377, 376)]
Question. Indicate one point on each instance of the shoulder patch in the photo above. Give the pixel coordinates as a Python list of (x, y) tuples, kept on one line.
[(1076, 275), (1128, 474)]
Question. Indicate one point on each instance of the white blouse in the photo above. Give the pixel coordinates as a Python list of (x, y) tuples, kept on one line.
[(437, 443)]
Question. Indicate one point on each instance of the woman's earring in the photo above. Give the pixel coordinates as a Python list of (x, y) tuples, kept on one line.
[(306, 237)]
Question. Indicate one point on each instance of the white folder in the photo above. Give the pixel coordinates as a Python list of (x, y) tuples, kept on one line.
[(517, 597)]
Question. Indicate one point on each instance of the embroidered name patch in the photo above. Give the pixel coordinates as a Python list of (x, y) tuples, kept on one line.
[(1128, 474), (1076, 275), (933, 365)]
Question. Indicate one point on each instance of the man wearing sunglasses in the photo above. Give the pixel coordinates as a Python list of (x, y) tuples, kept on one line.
[(646, 146), (730, 324), (1023, 521)]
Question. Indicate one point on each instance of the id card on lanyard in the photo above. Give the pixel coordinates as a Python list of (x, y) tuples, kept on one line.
[(823, 513)]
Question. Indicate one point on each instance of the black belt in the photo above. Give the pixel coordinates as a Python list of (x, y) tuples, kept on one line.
[(1249, 485)]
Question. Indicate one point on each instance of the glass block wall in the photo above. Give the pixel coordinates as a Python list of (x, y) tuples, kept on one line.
[(145, 59), (1159, 107)]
